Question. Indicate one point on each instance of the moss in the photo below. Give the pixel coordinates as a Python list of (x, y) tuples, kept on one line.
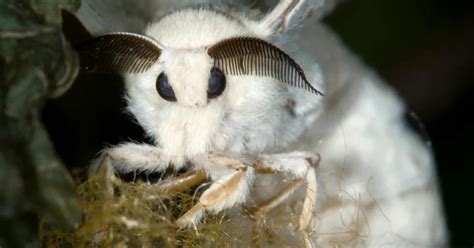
[(138, 215)]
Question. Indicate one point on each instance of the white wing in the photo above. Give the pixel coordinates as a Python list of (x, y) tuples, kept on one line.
[(378, 177)]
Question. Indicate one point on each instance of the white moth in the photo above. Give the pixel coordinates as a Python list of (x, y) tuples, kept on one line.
[(236, 94)]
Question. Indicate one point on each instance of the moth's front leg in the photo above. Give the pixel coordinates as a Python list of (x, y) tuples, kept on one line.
[(128, 157), (303, 166), (230, 187)]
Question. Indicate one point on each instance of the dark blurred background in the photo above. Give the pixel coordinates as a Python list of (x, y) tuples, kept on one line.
[(423, 48)]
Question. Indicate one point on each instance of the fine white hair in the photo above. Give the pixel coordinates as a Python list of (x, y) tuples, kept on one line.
[(377, 176)]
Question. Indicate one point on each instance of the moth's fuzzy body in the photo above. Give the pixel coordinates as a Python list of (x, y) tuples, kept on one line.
[(254, 114), (377, 178)]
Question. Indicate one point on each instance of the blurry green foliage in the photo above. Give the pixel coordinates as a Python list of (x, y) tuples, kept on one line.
[(36, 63)]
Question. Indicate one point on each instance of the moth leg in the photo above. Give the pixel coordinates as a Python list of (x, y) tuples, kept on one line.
[(303, 166), (309, 204), (263, 208), (125, 158), (104, 170), (182, 182), (224, 193)]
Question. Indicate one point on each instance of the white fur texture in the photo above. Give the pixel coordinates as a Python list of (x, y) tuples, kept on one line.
[(295, 163), (131, 157), (193, 125), (376, 177)]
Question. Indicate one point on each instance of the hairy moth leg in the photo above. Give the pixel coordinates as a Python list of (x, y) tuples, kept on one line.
[(224, 193), (263, 208), (303, 166), (128, 157), (309, 204), (182, 182)]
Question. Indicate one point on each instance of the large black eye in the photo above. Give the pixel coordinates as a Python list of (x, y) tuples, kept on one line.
[(216, 83), (164, 88)]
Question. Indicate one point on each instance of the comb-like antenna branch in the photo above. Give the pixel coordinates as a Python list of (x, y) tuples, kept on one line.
[(254, 56), (119, 53)]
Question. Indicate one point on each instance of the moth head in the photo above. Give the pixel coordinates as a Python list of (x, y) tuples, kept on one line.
[(185, 77), (196, 73)]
